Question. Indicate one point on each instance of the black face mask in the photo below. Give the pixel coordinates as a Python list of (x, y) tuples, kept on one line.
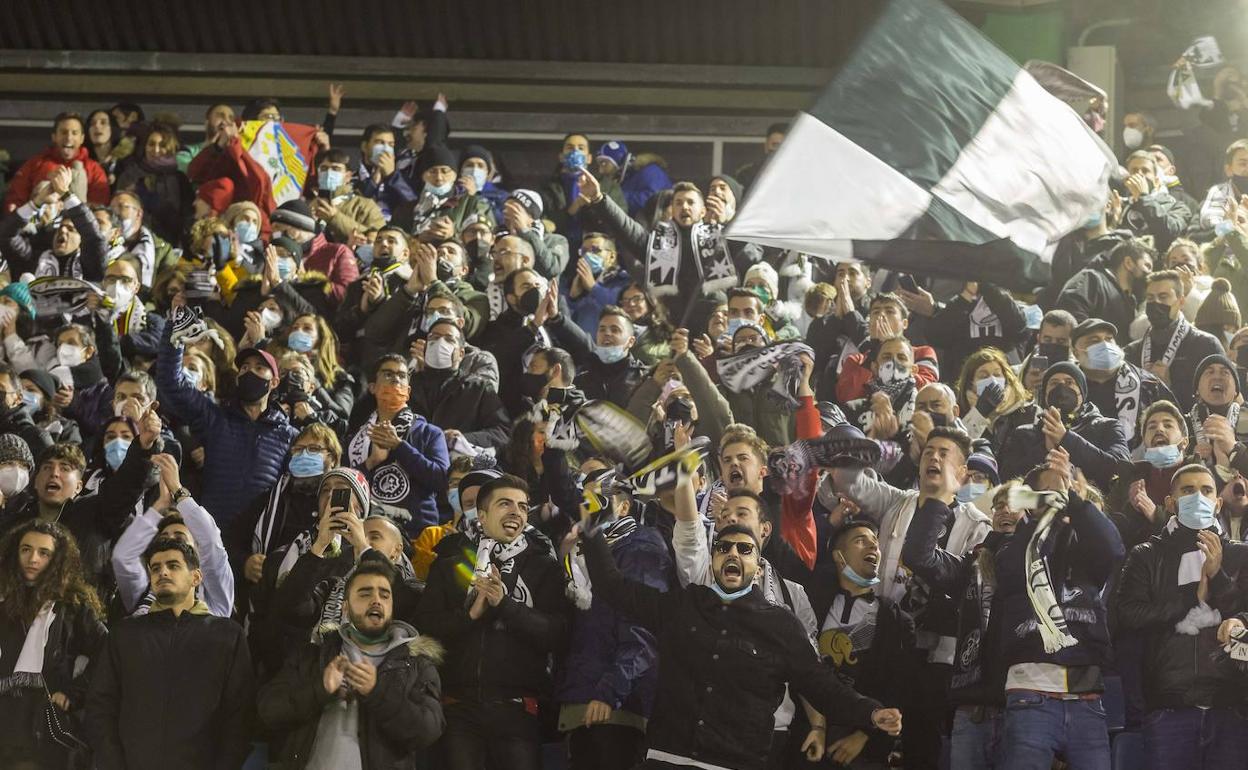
[(1065, 398), (445, 270), (251, 387), (528, 302), (1139, 285), (1053, 351), (531, 385), (1158, 315)]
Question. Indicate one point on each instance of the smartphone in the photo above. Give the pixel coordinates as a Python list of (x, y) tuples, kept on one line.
[(340, 499), (1039, 362), (906, 281)]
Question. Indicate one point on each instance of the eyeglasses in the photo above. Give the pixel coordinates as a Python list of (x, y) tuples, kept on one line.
[(724, 547), (315, 448), (636, 299), (392, 378)]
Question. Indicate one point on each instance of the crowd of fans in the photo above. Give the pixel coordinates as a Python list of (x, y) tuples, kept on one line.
[(416, 470)]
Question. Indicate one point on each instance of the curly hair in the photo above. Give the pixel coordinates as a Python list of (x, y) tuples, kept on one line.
[(62, 580)]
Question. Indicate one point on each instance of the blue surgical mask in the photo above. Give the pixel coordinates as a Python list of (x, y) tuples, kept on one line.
[(1104, 356), (438, 191), (378, 150), (1162, 456), (857, 579), (984, 382), (299, 341), (478, 176), (1196, 511), (192, 376), (31, 401), (306, 464), (733, 325), (610, 354), (364, 253), (594, 259), (330, 179), (285, 268), (432, 317), (470, 514), (115, 452), (1093, 220), (246, 230), (452, 497), (969, 492), (730, 596)]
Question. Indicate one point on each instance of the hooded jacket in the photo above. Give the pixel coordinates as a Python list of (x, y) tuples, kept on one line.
[(401, 716), (39, 167), (1093, 292), (1179, 668), (334, 260)]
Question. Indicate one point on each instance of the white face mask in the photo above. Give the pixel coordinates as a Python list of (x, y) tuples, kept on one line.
[(13, 479), (119, 294), (70, 355), (439, 354), (270, 318), (1132, 137)]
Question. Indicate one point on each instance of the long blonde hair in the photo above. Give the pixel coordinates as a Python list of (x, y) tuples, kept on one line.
[(1015, 393), (324, 355)]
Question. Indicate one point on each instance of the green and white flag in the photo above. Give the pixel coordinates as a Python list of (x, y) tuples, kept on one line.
[(933, 152)]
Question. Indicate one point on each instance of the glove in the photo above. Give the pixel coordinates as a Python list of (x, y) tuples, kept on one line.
[(990, 399)]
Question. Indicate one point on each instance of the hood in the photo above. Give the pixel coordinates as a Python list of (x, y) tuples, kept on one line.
[(400, 634)]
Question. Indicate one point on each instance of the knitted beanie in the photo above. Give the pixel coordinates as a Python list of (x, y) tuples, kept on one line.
[(359, 485), (1219, 308), (15, 449), (19, 292)]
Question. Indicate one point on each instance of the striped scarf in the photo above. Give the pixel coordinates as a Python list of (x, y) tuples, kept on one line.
[(1044, 507)]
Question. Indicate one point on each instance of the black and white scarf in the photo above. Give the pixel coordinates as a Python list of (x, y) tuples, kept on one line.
[(1181, 330), (744, 370), (1127, 387), (361, 444), (714, 263), (503, 556), (580, 589), (1191, 568), (1050, 620), (28, 667), (984, 321), (334, 608)]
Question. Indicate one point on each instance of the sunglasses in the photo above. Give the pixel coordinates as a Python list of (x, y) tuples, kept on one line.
[(724, 547)]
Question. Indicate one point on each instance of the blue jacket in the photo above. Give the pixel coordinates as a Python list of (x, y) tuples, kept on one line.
[(413, 475), (613, 658), (587, 308), (243, 458), (393, 191), (641, 184)]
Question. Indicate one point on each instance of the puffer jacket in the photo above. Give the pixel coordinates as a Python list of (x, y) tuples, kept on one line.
[(1082, 557), (611, 657), (1179, 669), (334, 260), (1096, 445), (242, 457), (401, 716)]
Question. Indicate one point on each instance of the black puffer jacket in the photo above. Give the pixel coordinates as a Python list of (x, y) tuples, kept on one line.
[(1096, 445), (401, 715), (1179, 669)]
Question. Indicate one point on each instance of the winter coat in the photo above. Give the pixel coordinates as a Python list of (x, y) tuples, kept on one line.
[(1194, 348), (309, 294), (550, 251), (953, 327), (389, 194), (614, 382), (242, 457), (356, 214), (413, 474), (166, 196), (1158, 214), (641, 183), (334, 260), (714, 413), (401, 716), (140, 717), (38, 168), (1082, 558), (725, 667), (23, 255), (1093, 292), (612, 658), (851, 383), (363, 336), (451, 402), (756, 408), (587, 308), (1179, 669), (502, 655), (555, 202), (1096, 445), (507, 338), (1104, 395), (251, 180), (458, 208)]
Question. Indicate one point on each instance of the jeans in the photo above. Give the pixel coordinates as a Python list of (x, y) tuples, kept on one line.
[(976, 745), (605, 747), (1038, 728), (1194, 738), (498, 735)]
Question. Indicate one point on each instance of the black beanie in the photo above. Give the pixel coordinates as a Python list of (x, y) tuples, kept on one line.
[(296, 213), (42, 379), (1064, 367), (476, 151), (1217, 358), (437, 155), (737, 190)]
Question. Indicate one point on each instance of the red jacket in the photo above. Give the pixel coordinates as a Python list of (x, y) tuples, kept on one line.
[(334, 260), (851, 383), (39, 167), (251, 181), (797, 522)]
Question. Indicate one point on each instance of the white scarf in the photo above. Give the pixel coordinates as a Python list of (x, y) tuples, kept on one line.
[(28, 671), (1181, 330), (1049, 617), (710, 251), (1127, 388)]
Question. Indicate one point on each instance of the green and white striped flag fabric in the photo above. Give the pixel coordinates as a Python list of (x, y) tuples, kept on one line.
[(931, 151)]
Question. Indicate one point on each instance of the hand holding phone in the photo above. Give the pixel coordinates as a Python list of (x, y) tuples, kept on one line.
[(906, 281)]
